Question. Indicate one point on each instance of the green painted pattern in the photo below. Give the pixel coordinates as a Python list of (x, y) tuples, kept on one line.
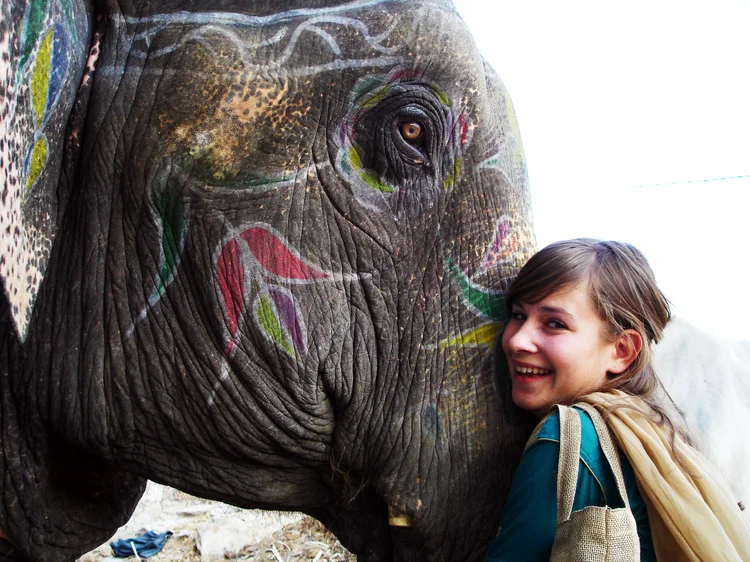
[(171, 213), (489, 305), (345, 163), (270, 323), (67, 8), (373, 181), (443, 97), (365, 85), (32, 30), (38, 160), (491, 162), (40, 77)]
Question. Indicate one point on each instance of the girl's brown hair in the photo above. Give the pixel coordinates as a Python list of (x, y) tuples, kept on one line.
[(623, 290)]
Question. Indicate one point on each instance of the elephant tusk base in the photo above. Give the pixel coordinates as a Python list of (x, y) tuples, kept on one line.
[(398, 519)]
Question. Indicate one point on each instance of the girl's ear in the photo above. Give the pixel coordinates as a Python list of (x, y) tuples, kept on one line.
[(627, 346)]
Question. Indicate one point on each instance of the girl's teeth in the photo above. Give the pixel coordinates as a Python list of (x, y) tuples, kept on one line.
[(530, 371)]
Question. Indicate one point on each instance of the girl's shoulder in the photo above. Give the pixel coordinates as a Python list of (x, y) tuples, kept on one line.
[(591, 452)]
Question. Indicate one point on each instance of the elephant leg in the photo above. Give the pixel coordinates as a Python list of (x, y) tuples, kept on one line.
[(54, 496)]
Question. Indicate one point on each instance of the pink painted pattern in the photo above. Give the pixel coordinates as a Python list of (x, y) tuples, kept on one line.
[(231, 277), (259, 253), (277, 258), (505, 244)]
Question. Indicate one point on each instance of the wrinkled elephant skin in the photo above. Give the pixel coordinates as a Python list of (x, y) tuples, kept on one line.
[(256, 254)]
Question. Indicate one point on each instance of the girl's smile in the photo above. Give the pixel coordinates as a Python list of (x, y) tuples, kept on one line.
[(557, 350)]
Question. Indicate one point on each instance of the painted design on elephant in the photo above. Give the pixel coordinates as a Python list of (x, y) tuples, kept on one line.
[(42, 39), (43, 64), (504, 247), (250, 265), (368, 188), (254, 97), (510, 159), (487, 303), (314, 20), (270, 320), (170, 212), (482, 336), (510, 239)]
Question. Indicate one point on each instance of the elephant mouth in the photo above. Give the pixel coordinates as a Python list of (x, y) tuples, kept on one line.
[(375, 530)]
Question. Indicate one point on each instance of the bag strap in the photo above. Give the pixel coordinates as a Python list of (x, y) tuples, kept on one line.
[(567, 463), (608, 446), (534, 437)]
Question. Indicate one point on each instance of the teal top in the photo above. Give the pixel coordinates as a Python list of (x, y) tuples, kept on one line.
[(527, 525)]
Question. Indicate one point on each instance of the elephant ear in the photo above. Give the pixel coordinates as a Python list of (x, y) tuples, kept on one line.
[(43, 49)]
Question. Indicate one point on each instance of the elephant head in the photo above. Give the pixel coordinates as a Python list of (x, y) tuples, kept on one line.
[(264, 263)]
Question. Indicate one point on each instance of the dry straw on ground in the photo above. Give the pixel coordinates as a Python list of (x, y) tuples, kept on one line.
[(208, 531)]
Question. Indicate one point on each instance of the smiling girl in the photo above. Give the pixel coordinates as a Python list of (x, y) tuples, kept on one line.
[(583, 316)]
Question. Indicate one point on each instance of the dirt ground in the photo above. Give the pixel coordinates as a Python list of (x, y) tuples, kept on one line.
[(207, 531)]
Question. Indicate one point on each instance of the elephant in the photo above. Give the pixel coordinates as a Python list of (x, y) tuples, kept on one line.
[(256, 251), (708, 377)]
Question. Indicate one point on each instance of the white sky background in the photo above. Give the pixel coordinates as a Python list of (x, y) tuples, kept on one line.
[(614, 98)]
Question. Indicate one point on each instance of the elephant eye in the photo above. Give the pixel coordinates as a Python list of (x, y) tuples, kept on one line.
[(413, 134), (411, 131), (402, 138)]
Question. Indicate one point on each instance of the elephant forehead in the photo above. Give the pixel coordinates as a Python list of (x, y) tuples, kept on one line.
[(227, 117), (246, 110), (305, 40), (254, 97), (359, 37), (250, 96)]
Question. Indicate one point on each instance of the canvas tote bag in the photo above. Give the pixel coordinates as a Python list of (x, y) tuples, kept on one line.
[(692, 514), (593, 534)]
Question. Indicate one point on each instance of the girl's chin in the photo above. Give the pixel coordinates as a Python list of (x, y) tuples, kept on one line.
[(527, 403)]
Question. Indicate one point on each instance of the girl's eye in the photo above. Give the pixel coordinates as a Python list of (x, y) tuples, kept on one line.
[(556, 325), (517, 315)]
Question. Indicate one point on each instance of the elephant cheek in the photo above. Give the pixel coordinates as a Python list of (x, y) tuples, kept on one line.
[(450, 480)]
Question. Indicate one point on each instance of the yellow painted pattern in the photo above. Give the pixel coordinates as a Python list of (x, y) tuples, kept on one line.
[(38, 160), (376, 97), (518, 152), (40, 78), (373, 181), (453, 176), (483, 336)]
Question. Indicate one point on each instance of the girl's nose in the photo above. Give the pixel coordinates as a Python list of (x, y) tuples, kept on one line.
[(522, 339)]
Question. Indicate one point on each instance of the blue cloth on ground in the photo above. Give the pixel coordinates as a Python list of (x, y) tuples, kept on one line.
[(148, 544)]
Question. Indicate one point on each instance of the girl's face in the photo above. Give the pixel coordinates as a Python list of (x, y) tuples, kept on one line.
[(557, 350)]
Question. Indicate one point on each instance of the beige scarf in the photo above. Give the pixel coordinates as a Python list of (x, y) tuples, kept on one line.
[(691, 513)]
